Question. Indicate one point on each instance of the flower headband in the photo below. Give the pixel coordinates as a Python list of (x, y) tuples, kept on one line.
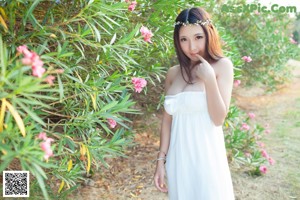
[(201, 22)]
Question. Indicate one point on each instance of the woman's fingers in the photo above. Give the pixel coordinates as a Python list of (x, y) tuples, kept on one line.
[(159, 183), (162, 185), (201, 58)]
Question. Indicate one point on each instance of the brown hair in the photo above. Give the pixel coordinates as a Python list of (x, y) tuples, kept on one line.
[(212, 46)]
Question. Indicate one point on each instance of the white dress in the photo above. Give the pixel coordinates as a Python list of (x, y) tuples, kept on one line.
[(197, 167)]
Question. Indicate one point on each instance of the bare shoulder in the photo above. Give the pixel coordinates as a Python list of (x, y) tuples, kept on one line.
[(223, 66), (172, 72)]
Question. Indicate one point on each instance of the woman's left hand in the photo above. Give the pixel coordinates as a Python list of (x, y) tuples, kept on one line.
[(204, 70)]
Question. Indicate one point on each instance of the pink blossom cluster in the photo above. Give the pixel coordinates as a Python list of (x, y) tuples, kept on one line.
[(251, 115), (46, 145), (236, 83), (267, 127), (293, 41), (247, 58), (49, 79), (138, 83), (263, 169), (112, 123), (31, 58), (132, 5), (146, 33), (245, 127)]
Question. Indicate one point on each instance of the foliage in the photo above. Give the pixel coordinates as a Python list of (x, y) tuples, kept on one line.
[(265, 37), (100, 50), (243, 136)]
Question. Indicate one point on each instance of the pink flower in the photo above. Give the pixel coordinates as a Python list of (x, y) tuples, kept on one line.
[(263, 169), (267, 131), (42, 136), (127, 1), (138, 83), (50, 79), (247, 58), (271, 161), (146, 33), (26, 61), (132, 6), (36, 61), (236, 83), (38, 71), (46, 145), (261, 144), (251, 115), (264, 154), (31, 58), (112, 123), (20, 49), (245, 127), (293, 41)]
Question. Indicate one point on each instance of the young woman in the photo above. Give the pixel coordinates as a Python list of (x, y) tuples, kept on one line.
[(198, 93)]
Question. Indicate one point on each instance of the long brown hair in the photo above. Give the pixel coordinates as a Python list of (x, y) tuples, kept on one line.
[(212, 45)]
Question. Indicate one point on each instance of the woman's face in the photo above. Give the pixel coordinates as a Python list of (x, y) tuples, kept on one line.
[(192, 41)]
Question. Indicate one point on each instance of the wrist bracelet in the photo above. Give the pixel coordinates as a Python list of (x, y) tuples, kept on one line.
[(160, 158)]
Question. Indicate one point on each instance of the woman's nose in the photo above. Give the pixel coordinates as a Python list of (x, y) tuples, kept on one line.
[(193, 47)]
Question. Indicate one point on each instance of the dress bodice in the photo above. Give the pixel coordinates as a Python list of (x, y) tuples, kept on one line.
[(185, 102)]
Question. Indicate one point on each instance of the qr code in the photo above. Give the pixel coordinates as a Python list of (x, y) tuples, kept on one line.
[(15, 183)]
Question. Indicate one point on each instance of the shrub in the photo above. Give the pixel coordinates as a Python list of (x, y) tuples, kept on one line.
[(243, 136), (85, 114)]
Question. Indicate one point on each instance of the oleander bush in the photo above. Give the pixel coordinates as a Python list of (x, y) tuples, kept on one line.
[(67, 97), (244, 142)]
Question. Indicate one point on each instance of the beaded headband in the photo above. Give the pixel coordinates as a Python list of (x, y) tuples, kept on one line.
[(201, 22)]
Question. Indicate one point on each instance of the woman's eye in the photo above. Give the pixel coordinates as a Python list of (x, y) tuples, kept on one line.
[(199, 37), (182, 39)]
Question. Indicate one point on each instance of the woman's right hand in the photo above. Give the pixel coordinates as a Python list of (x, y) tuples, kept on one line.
[(159, 176)]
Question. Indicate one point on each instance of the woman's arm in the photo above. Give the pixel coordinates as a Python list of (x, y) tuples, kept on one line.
[(164, 139), (218, 90), (166, 119)]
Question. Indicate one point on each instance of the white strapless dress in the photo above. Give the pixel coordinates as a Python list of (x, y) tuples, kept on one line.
[(197, 166)]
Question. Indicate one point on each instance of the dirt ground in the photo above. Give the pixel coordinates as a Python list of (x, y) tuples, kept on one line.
[(131, 177)]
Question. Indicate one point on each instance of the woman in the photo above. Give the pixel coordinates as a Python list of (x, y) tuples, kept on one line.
[(198, 93)]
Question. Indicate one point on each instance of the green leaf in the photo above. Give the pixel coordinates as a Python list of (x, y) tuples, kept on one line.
[(109, 106), (6, 160), (34, 116), (42, 185), (30, 10), (128, 37), (61, 88)]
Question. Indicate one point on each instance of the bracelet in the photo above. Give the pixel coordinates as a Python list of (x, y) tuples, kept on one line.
[(160, 158)]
